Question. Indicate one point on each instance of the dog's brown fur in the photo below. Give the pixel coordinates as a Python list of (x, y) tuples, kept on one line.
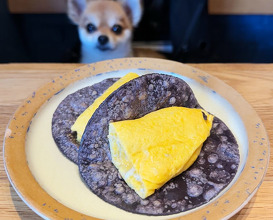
[(104, 14)]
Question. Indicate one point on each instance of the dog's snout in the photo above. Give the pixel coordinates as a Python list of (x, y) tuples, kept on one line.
[(103, 39)]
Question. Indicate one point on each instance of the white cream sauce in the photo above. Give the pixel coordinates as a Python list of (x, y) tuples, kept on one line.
[(60, 178)]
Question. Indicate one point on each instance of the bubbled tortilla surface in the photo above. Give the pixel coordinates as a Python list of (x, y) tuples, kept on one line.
[(213, 170)]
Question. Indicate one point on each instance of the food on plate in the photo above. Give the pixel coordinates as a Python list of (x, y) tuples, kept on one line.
[(151, 150), (212, 171), (209, 174)]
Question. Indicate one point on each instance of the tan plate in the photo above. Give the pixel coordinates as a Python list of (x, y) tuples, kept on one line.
[(227, 204)]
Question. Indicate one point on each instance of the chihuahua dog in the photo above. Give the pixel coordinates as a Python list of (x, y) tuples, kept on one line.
[(105, 27)]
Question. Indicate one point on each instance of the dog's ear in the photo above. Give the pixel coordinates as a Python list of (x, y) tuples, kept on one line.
[(75, 9), (134, 9)]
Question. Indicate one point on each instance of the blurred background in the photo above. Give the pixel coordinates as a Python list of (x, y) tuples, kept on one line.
[(182, 30)]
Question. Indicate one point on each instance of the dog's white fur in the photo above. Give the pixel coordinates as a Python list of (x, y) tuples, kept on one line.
[(104, 14)]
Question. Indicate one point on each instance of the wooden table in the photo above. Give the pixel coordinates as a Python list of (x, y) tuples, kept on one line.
[(253, 81)]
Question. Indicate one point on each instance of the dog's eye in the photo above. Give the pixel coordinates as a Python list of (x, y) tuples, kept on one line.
[(117, 29), (90, 28)]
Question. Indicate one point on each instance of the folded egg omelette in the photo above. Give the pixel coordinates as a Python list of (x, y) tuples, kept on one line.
[(151, 150)]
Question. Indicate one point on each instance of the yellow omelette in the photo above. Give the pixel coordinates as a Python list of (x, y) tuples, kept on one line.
[(151, 150)]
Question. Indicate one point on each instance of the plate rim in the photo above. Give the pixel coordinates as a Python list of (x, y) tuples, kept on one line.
[(27, 110)]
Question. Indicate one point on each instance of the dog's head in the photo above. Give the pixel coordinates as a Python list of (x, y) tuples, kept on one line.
[(105, 24)]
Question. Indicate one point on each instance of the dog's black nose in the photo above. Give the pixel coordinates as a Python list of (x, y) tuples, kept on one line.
[(103, 39)]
